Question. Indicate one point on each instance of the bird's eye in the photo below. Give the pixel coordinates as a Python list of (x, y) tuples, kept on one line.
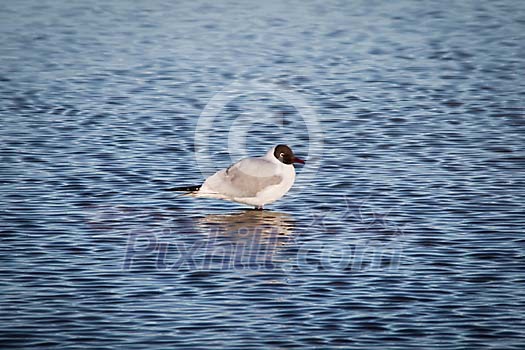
[(281, 155)]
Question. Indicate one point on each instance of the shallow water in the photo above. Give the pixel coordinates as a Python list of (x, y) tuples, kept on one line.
[(409, 234)]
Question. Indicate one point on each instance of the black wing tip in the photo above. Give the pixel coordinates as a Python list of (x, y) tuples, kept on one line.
[(185, 188)]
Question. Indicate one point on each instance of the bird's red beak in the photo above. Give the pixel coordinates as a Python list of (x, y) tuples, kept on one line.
[(298, 160)]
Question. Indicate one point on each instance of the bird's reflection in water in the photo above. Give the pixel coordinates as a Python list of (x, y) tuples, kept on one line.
[(250, 239)]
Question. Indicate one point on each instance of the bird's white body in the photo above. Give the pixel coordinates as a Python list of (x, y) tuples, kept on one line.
[(253, 181)]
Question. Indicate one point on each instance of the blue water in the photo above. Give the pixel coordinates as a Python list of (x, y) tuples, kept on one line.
[(404, 229)]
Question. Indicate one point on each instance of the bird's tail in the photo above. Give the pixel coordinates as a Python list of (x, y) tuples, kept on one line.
[(188, 189)]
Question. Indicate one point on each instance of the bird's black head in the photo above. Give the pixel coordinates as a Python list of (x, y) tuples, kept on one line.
[(285, 155)]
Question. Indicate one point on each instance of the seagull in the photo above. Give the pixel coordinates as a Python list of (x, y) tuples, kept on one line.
[(254, 181)]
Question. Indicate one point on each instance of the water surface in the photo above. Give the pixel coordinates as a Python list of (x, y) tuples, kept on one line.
[(410, 234)]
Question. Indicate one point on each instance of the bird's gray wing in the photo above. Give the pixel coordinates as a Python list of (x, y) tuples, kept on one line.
[(243, 179)]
